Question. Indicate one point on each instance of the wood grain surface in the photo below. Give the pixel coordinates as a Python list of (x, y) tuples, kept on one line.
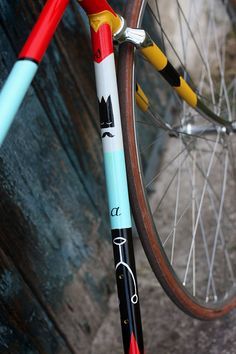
[(55, 252)]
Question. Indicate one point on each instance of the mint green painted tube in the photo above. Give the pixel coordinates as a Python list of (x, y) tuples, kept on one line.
[(118, 200), (13, 93)]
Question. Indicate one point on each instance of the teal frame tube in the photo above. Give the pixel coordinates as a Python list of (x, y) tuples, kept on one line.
[(13, 93)]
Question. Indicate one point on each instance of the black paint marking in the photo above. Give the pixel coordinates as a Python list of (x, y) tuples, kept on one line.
[(106, 113), (129, 312), (97, 55), (107, 134), (115, 212), (171, 75)]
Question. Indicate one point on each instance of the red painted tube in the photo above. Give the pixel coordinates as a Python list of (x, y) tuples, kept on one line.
[(133, 349), (102, 43), (96, 6), (41, 35)]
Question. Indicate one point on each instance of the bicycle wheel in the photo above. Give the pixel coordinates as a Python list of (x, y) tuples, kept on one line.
[(183, 186)]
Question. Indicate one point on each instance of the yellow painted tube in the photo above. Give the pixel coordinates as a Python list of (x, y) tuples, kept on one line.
[(160, 62), (141, 99), (186, 93), (155, 56)]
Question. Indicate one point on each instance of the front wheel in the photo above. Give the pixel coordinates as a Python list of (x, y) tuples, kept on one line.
[(183, 185)]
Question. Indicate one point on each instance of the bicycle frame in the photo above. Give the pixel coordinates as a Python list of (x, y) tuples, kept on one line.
[(104, 22)]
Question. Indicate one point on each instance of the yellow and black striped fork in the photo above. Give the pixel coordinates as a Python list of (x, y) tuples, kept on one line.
[(160, 62)]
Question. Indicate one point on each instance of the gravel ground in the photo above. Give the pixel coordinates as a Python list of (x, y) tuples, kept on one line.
[(167, 330)]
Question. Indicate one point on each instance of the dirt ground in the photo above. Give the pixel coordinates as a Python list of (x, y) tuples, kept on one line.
[(167, 330)]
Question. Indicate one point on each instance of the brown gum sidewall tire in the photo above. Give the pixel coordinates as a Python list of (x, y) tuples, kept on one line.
[(143, 220)]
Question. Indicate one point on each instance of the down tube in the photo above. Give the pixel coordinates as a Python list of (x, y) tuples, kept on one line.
[(116, 180), (25, 68)]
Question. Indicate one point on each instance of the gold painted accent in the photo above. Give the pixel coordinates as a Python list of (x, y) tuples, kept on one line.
[(155, 56), (141, 99), (99, 19), (185, 91)]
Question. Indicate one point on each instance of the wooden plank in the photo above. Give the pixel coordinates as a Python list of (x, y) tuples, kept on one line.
[(54, 234), (24, 325)]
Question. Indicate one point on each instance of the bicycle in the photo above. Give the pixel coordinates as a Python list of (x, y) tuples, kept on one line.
[(195, 136)]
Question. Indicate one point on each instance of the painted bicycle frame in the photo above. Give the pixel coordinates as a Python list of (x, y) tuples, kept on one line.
[(104, 22)]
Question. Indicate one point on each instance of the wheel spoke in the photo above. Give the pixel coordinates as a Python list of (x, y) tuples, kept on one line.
[(199, 211), (187, 164)]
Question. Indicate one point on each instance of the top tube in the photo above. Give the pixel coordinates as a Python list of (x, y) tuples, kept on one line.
[(43, 31)]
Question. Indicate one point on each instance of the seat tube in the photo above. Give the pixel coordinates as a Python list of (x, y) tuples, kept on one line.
[(116, 179)]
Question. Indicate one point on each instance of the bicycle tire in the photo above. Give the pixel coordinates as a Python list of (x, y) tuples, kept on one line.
[(145, 224)]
